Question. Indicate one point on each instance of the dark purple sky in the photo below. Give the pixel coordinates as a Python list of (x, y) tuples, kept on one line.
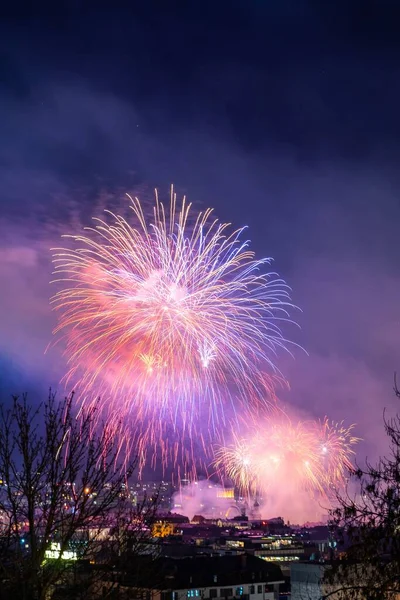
[(282, 115)]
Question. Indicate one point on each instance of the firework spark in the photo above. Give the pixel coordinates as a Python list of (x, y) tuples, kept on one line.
[(312, 456), (169, 319)]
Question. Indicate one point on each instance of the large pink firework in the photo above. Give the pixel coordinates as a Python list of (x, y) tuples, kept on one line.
[(170, 319)]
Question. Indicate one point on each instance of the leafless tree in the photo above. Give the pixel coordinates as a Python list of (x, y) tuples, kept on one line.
[(63, 498)]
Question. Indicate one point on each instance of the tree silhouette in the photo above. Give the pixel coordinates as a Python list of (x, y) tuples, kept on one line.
[(63, 498), (367, 527)]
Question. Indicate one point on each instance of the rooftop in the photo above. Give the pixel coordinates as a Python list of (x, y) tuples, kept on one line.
[(203, 571)]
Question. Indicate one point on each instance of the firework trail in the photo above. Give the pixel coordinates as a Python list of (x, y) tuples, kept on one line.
[(307, 456), (171, 320)]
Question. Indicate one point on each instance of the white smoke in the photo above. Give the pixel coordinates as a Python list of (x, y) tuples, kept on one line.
[(207, 499), (213, 501)]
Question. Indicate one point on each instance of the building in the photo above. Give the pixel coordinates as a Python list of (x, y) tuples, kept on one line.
[(242, 577), (142, 490), (309, 580), (168, 524), (306, 580)]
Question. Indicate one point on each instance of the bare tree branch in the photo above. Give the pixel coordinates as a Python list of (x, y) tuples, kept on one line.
[(63, 494), (366, 523)]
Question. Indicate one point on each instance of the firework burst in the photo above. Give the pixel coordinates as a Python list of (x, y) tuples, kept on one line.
[(311, 456), (337, 448), (238, 463), (169, 318)]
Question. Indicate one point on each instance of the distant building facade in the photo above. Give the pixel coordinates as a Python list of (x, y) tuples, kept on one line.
[(307, 580)]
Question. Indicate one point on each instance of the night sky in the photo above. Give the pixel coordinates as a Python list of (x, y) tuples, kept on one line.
[(284, 116)]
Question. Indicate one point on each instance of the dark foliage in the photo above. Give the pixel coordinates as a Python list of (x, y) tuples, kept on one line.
[(367, 527)]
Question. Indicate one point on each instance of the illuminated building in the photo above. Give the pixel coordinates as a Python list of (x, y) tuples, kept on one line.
[(226, 493), (54, 553)]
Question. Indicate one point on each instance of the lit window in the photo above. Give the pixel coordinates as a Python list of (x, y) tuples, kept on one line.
[(239, 591)]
